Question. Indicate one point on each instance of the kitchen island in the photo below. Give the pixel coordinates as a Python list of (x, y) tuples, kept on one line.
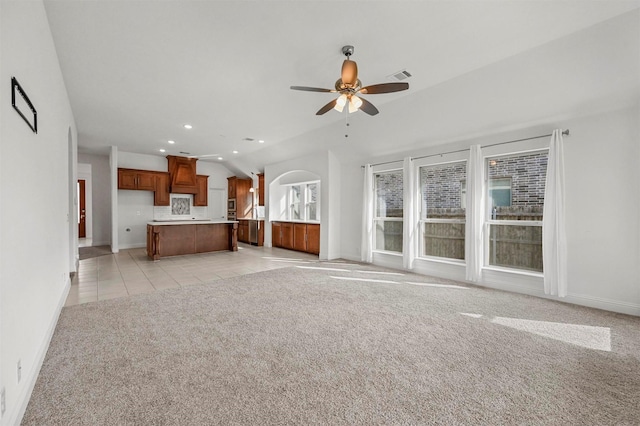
[(178, 237)]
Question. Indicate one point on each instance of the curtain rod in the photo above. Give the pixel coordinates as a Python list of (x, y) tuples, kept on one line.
[(564, 132)]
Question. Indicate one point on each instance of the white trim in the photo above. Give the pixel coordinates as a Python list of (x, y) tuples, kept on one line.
[(24, 396), (601, 303), (130, 246), (514, 222), (514, 271), (387, 259), (447, 260)]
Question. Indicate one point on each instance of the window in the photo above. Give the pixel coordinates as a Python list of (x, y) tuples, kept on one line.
[(442, 213), (499, 192), (304, 202), (388, 190), (294, 202), (515, 200), (311, 205)]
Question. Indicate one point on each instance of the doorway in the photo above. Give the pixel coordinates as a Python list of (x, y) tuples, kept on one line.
[(82, 209)]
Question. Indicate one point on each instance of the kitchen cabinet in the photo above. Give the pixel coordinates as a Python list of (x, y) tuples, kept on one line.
[(231, 183), (161, 195), (177, 238), (276, 234), (297, 236), (143, 180), (300, 236), (183, 174), (282, 235), (245, 232), (261, 189), (238, 189), (313, 238), (201, 197)]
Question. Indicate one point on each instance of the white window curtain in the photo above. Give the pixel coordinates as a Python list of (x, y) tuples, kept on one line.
[(554, 239), (366, 245), (475, 214), (410, 225)]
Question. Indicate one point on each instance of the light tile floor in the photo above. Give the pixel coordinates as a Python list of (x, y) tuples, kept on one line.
[(131, 272)]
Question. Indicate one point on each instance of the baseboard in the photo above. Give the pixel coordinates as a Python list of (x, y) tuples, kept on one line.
[(602, 303), (130, 246), (351, 258), (32, 378)]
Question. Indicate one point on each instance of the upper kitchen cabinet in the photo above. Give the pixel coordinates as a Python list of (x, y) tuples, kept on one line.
[(161, 195), (201, 197), (261, 189), (239, 190), (136, 179), (183, 175), (231, 190)]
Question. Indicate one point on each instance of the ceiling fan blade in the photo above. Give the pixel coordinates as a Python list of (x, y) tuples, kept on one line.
[(327, 107), (384, 88), (368, 107), (312, 89), (349, 72)]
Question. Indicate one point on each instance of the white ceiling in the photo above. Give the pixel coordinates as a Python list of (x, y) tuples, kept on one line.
[(136, 71)]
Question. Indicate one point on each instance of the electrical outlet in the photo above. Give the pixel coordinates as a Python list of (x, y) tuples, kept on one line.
[(19, 370), (3, 402)]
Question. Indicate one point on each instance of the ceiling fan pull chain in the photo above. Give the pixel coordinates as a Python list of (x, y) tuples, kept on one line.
[(346, 121)]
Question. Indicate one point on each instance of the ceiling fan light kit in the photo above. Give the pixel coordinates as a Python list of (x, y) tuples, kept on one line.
[(349, 86)]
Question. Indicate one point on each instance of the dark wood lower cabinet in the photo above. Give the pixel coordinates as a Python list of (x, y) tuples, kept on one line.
[(313, 238), (287, 235), (296, 236), (173, 240), (300, 236)]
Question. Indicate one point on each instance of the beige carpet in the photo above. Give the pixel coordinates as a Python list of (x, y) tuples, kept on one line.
[(350, 345)]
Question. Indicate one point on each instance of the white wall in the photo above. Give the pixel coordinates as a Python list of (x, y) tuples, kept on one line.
[(602, 159), (35, 177)]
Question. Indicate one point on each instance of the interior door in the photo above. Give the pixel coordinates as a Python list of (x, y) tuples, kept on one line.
[(82, 209)]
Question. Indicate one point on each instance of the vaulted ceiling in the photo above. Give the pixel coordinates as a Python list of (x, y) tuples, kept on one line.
[(137, 71)]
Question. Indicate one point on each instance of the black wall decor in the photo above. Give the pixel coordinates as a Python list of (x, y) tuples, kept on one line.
[(21, 103)]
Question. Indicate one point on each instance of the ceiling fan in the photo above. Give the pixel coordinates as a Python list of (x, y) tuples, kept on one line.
[(349, 87)]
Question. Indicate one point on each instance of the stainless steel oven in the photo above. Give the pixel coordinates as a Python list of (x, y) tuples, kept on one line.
[(231, 216), (231, 205)]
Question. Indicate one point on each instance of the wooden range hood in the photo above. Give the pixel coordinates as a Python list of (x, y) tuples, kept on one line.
[(183, 175)]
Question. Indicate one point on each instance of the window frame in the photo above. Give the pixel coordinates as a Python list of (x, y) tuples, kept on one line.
[(489, 221), (302, 201), (384, 218), (422, 221)]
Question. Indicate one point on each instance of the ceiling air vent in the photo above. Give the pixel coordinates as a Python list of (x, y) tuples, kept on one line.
[(399, 76)]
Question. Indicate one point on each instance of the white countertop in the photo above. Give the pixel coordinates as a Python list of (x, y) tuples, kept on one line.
[(191, 222)]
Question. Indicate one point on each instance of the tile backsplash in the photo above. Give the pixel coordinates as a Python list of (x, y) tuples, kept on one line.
[(182, 208)]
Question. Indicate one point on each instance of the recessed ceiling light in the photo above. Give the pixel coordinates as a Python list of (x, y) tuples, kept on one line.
[(260, 141), (219, 158), (235, 152), (188, 126), (162, 150), (171, 142)]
